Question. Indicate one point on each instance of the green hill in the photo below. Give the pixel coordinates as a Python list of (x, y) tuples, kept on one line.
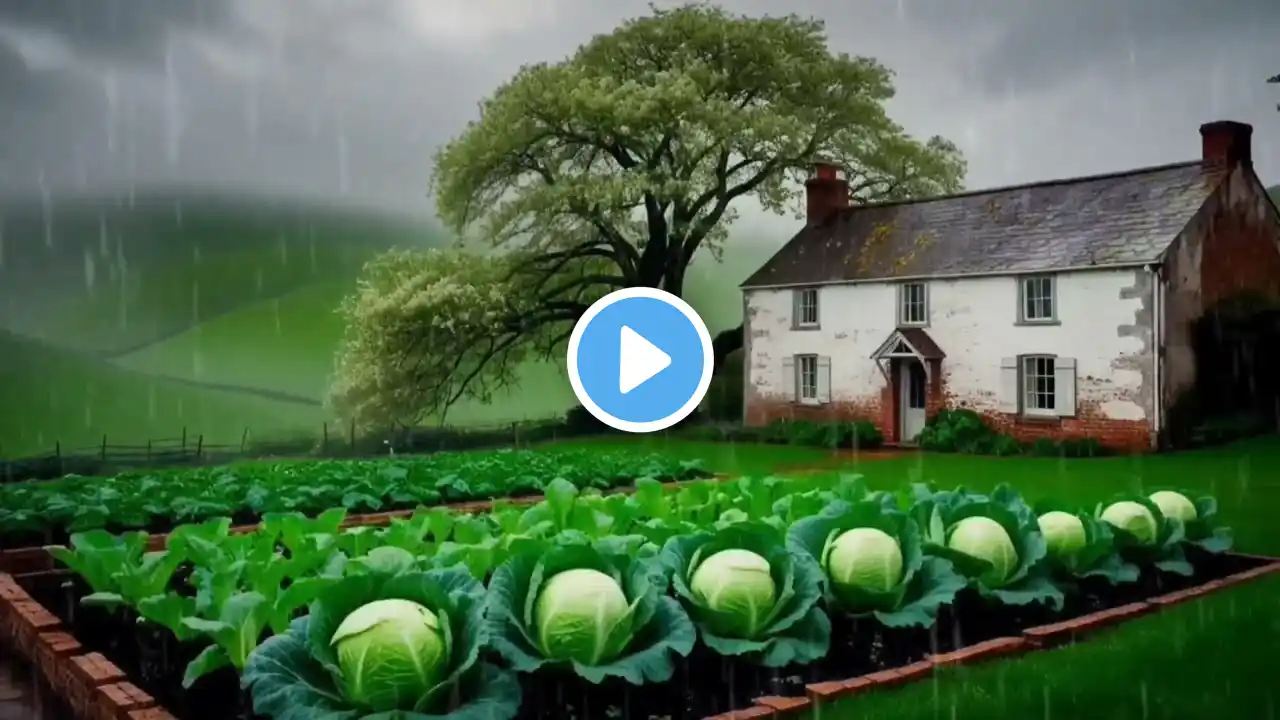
[(112, 274), (52, 395)]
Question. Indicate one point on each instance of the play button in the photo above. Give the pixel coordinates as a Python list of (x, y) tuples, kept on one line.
[(640, 360)]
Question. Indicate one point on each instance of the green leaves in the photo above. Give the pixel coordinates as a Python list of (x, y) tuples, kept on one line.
[(297, 675), (926, 582), (794, 630), (1029, 581), (638, 648)]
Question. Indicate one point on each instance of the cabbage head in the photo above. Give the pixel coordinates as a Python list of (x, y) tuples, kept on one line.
[(1144, 535), (1081, 546), (596, 606), (1199, 517), (995, 541), (873, 562), (749, 593), (375, 643)]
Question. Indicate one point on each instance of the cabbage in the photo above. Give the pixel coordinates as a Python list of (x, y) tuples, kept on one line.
[(865, 558), (575, 614), (1133, 518), (1175, 505), (873, 558), (384, 643), (391, 652), (985, 539), (596, 607), (1064, 534), (749, 593), (736, 585)]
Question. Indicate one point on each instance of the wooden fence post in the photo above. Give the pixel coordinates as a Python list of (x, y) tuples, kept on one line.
[(57, 450), (353, 434), (104, 447), (148, 451), (324, 437), (244, 438), (199, 445), (184, 439)]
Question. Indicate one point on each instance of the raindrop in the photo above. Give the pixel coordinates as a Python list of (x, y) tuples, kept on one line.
[(173, 108), (177, 213), (104, 240), (111, 90), (275, 310), (342, 161), (88, 415), (195, 254), (258, 279), (283, 243), (311, 248), (90, 270), (902, 11), (1142, 689), (195, 301), (46, 207)]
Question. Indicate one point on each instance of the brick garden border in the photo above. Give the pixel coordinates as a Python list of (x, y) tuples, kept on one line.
[(1032, 639), (98, 690)]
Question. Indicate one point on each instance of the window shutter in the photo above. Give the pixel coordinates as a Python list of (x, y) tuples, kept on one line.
[(1064, 386), (1009, 385), (791, 378), (824, 379), (795, 311)]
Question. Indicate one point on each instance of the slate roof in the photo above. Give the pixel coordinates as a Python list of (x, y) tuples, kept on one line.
[(1127, 218)]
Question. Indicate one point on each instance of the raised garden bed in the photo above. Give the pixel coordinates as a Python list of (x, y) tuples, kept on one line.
[(106, 667)]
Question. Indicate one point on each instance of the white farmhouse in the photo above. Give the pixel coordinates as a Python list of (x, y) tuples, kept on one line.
[(1062, 308)]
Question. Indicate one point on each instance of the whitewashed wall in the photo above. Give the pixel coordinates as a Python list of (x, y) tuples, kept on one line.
[(973, 321)]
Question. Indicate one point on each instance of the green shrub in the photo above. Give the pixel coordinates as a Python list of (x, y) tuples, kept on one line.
[(1081, 447), (960, 430), (1045, 447)]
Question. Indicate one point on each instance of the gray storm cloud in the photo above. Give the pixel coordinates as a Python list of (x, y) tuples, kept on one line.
[(348, 98)]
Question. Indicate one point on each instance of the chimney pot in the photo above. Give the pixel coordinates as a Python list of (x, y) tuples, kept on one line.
[(1225, 144), (826, 192)]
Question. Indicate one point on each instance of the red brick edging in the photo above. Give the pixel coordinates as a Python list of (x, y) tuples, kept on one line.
[(98, 690), (1036, 638)]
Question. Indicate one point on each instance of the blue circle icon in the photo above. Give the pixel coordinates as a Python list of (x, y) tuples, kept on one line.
[(640, 360)]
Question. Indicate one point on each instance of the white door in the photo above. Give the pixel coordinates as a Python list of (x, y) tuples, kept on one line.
[(913, 389)]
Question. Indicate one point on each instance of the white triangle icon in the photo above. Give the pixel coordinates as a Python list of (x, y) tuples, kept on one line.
[(639, 361)]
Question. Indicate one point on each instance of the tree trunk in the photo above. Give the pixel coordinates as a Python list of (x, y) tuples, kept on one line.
[(724, 343)]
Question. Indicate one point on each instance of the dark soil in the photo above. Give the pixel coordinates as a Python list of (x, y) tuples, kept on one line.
[(704, 684)]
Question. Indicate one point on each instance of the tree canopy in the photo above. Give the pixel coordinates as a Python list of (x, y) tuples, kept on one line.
[(614, 168)]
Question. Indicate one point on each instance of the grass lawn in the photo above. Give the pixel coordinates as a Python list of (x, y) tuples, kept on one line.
[(1212, 658), (53, 396)]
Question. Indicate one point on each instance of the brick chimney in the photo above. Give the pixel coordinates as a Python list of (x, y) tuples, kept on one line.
[(1225, 144), (826, 191)]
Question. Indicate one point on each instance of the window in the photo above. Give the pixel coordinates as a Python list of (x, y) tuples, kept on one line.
[(913, 304), (1038, 303), (1039, 391), (805, 308), (807, 377)]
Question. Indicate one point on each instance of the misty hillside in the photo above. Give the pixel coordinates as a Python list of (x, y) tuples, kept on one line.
[(106, 273)]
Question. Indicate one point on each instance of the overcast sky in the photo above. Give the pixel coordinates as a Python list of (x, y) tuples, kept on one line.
[(348, 98)]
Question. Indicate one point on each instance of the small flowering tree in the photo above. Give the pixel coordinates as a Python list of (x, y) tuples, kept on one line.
[(615, 168)]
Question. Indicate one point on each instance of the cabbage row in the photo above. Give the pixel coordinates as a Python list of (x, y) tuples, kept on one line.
[(436, 614), (147, 498)]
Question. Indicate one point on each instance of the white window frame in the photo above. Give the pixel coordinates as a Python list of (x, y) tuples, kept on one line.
[(1033, 372), (807, 393), (1030, 289), (804, 299), (906, 318)]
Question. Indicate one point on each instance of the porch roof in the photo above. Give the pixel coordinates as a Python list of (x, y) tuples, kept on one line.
[(909, 341)]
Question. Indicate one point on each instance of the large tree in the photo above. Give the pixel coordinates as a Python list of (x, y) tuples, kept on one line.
[(615, 168)]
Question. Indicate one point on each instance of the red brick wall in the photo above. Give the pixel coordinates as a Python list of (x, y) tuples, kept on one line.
[(1241, 247), (1121, 435)]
